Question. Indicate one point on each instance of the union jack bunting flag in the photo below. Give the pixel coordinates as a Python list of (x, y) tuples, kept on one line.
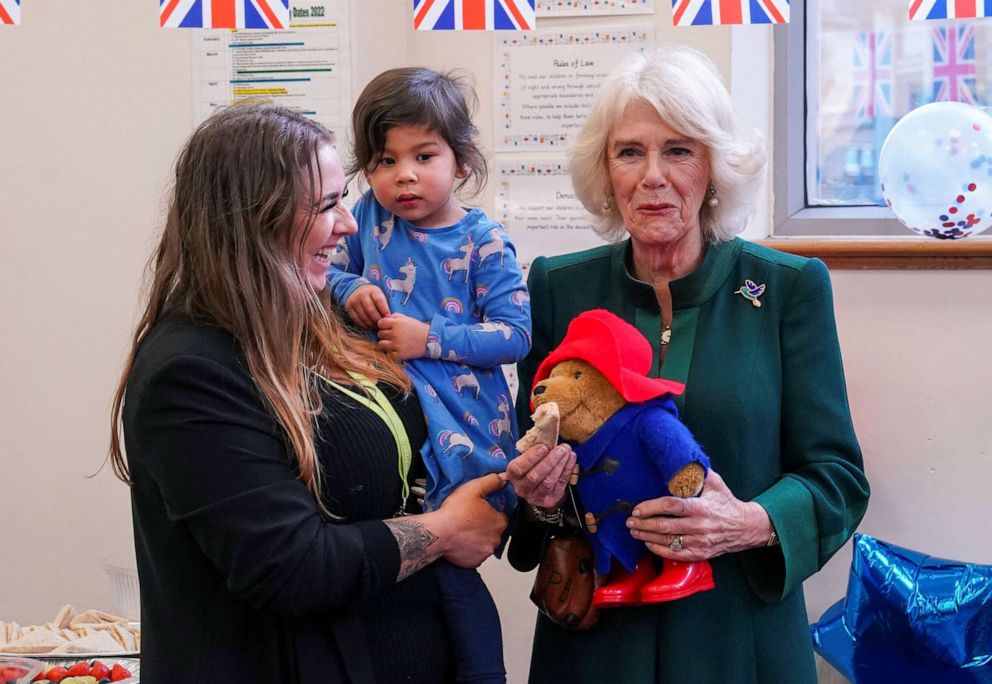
[(240, 14), (873, 74), (954, 64), (709, 12), (10, 11), (920, 10), (473, 15)]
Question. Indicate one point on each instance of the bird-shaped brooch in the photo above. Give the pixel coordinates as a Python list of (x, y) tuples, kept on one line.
[(751, 292)]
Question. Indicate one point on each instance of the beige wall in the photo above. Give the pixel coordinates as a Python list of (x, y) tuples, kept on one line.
[(91, 117)]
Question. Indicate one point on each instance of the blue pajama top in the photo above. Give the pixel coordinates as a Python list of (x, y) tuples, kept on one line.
[(465, 282)]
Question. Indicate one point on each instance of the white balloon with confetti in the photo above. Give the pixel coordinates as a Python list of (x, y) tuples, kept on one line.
[(935, 168)]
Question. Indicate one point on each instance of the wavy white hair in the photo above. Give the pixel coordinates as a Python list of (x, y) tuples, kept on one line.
[(686, 90)]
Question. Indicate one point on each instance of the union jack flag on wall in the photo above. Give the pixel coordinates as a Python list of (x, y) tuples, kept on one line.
[(241, 14), (473, 15), (873, 74), (954, 64), (10, 11), (708, 12), (920, 10)]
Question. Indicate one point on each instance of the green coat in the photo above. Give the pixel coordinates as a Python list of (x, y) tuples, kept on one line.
[(765, 396)]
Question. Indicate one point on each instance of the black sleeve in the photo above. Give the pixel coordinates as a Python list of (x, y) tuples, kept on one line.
[(204, 436)]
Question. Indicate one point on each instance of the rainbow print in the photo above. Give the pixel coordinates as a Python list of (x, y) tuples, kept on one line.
[(430, 391), (470, 419), (375, 273), (452, 305), (481, 291)]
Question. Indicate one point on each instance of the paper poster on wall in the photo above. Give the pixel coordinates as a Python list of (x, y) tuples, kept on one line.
[(545, 81), (536, 203), (589, 8), (305, 67)]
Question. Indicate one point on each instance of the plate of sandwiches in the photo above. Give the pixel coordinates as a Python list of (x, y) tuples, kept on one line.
[(73, 635)]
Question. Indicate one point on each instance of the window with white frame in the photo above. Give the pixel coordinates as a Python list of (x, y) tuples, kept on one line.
[(846, 71)]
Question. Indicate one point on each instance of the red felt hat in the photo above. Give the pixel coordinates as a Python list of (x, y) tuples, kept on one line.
[(616, 349)]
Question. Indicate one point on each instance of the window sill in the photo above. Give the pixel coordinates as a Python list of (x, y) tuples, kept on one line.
[(895, 253)]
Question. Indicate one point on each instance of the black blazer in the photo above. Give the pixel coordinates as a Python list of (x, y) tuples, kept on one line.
[(241, 578)]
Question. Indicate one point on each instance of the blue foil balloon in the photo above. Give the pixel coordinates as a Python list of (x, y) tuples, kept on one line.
[(909, 617)]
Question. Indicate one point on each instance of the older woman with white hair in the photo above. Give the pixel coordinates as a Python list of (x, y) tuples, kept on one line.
[(671, 178)]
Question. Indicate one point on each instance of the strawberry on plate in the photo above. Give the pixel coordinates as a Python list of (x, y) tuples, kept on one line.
[(56, 674), (99, 670), (12, 674), (119, 672), (80, 669)]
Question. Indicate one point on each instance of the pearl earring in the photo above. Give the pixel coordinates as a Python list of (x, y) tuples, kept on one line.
[(608, 203), (713, 201)]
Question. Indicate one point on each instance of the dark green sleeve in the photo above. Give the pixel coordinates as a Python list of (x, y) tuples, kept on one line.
[(527, 540), (540, 311), (823, 493)]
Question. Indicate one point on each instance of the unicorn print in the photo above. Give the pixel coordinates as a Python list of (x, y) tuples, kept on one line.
[(467, 380), (495, 247), (406, 283), (455, 264), (383, 232), (501, 426), (340, 257), (519, 298), (433, 346), (452, 440), (489, 327)]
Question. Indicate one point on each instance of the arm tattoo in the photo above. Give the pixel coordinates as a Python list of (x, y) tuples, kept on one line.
[(414, 541)]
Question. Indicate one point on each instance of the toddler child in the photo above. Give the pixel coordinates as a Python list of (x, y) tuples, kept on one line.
[(440, 285)]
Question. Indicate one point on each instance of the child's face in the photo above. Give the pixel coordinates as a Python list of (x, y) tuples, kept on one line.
[(415, 175)]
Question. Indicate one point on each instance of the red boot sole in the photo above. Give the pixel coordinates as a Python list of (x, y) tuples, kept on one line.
[(648, 597), (607, 601)]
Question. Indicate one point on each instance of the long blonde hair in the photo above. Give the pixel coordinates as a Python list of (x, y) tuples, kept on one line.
[(227, 257)]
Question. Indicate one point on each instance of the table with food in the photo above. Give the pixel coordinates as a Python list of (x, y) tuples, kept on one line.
[(88, 647)]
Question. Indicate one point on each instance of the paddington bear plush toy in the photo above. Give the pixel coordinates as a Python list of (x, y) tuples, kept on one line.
[(631, 447)]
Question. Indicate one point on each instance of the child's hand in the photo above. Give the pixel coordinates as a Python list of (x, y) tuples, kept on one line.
[(403, 337), (367, 305)]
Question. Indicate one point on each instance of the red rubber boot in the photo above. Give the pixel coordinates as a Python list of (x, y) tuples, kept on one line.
[(678, 579), (624, 588)]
